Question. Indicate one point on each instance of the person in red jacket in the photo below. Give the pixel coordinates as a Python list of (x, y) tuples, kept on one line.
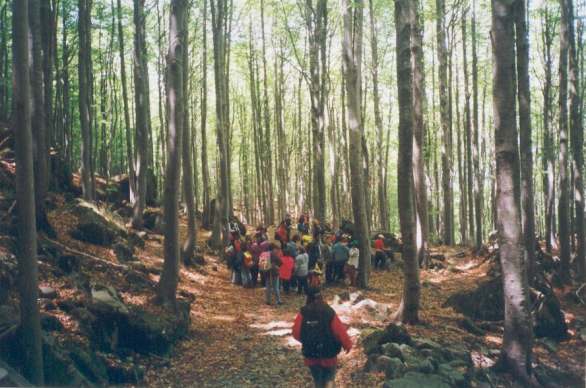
[(286, 270), (322, 336)]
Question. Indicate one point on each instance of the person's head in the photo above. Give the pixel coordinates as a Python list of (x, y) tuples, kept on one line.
[(301, 250), (295, 238), (380, 237), (314, 295)]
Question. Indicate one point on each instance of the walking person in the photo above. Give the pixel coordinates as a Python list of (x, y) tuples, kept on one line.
[(322, 336), (351, 268), (286, 271)]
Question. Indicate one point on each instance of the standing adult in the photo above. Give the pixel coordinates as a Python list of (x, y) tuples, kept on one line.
[(340, 253), (322, 336)]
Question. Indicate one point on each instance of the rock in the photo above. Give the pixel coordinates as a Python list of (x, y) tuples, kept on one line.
[(454, 376), (391, 366), (69, 263), (397, 334), (549, 317), (371, 362), (106, 298), (124, 252), (96, 226), (467, 324), (406, 351), (51, 323), (90, 365), (46, 292), (135, 240), (371, 340), (425, 343), (483, 303), (417, 380), (153, 220), (391, 349)]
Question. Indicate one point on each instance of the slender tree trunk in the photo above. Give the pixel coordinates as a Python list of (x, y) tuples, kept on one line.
[(352, 13), (30, 325), (142, 113), (478, 185), (188, 189), (446, 149), (468, 131), (524, 98), (205, 172), (518, 335), (577, 139), (563, 204), (548, 146), (127, 125), (405, 15), (167, 286), (5, 79), (85, 98), (419, 135)]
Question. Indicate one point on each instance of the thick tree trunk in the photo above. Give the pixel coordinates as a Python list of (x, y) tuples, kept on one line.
[(352, 12), (167, 286), (446, 149), (405, 15), (518, 335), (524, 98), (30, 326), (563, 204), (85, 98), (142, 118)]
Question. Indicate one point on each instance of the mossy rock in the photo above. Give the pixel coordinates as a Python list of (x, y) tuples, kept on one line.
[(417, 380)]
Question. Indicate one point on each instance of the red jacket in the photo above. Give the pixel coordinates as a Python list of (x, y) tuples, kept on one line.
[(379, 244), (286, 270), (339, 331)]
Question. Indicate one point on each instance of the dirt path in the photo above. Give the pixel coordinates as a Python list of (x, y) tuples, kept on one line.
[(238, 340)]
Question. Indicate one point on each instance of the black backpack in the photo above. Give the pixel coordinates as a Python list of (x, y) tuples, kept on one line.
[(316, 334)]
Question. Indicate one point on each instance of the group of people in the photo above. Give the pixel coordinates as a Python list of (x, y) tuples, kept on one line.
[(297, 257), (294, 261)]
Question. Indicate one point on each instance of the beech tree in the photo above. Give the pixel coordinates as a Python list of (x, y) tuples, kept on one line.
[(30, 324), (167, 286), (516, 352)]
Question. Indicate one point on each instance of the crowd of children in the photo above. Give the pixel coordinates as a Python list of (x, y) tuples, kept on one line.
[(297, 257)]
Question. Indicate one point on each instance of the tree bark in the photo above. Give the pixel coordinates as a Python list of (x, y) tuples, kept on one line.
[(563, 204), (30, 324), (405, 15), (446, 149), (167, 286), (468, 131), (205, 172), (518, 335), (142, 118), (524, 98), (577, 139), (85, 99), (352, 13)]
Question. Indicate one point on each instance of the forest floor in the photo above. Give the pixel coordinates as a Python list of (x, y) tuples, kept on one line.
[(235, 339)]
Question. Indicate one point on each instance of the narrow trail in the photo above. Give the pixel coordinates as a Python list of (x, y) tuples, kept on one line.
[(238, 340)]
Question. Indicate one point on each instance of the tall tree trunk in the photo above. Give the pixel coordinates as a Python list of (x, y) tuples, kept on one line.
[(478, 184), (518, 335), (39, 119), (577, 138), (4, 65), (405, 14), (142, 118), (220, 30), (419, 135), (352, 13), (205, 171), (524, 98), (446, 149), (30, 323), (468, 130), (378, 120), (563, 204), (167, 286), (127, 125), (188, 190), (548, 141), (85, 98)]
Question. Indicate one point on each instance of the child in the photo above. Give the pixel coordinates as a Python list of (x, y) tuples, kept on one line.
[(314, 276), (286, 271)]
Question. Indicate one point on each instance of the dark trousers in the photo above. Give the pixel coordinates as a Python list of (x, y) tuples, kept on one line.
[(380, 259), (286, 285), (301, 284), (323, 377), (254, 275), (339, 270), (329, 271)]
